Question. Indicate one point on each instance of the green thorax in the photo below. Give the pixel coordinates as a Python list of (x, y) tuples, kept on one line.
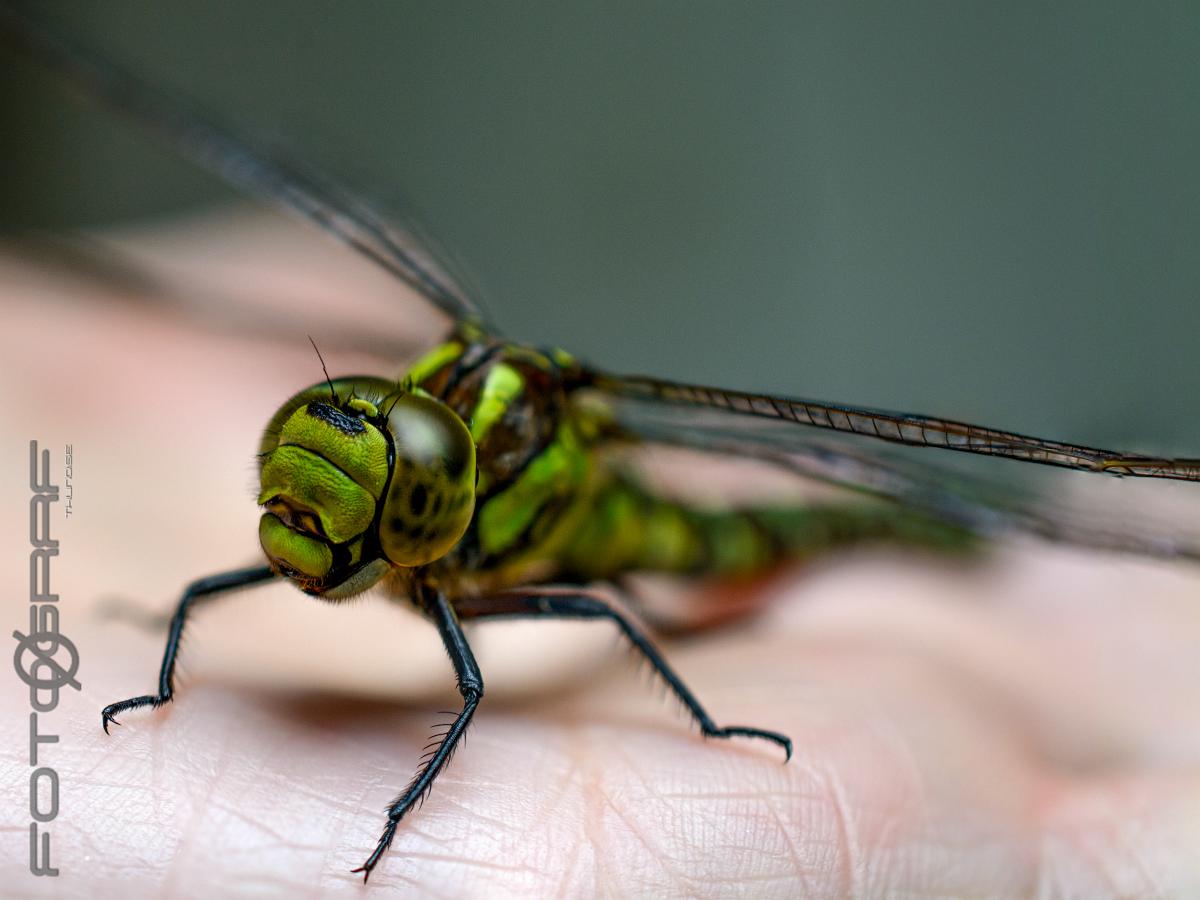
[(550, 504), (535, 453)]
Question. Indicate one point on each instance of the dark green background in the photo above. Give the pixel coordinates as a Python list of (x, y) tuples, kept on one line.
[(988, 211)]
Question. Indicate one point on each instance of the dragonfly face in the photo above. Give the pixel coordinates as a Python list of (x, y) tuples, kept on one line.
[(358, 475)]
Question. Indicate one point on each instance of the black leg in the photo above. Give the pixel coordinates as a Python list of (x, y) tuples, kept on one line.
[(574, 605), (470, 685), (202, 589)]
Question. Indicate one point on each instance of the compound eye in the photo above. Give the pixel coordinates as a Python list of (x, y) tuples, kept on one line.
[(431, 499)]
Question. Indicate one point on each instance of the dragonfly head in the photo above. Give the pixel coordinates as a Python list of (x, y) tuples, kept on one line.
[(357, 476)]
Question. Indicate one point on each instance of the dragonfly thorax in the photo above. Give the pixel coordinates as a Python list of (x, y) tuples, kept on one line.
[(360, 475)]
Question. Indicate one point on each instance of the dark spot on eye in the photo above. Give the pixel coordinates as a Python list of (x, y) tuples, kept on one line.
[(417, 499), (397, 524), (415, 533), (455, 460), (436, 506)]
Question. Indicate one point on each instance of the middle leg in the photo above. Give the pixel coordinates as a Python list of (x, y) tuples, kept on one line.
[(571, 603)]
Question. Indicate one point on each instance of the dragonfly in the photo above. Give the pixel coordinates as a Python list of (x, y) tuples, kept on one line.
[(482, 482)]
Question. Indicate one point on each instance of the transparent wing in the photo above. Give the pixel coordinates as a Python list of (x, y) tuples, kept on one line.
[(1109, 514), (130, 270), (268, 174), (902, 428)]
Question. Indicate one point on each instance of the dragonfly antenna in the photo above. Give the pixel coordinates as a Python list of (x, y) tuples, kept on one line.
[(328, 380), (399, 395)]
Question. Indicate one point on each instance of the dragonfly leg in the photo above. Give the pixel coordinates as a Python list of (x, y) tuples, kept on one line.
[(470, 685), (201, 589), (576, 605)]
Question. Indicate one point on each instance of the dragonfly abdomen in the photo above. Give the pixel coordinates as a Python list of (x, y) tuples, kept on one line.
[(632, 529)]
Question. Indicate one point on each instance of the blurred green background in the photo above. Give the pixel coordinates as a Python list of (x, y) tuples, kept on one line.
[(986, 211)]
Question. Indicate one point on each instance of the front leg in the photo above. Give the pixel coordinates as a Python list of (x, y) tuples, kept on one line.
[(470, 685), (203, 589)]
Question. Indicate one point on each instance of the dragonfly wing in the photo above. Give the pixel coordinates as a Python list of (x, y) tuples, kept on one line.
[(145, 274), (991, 504), (900, 428), (266, 173)]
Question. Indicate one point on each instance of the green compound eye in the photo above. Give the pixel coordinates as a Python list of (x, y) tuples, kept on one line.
[(432, 495)]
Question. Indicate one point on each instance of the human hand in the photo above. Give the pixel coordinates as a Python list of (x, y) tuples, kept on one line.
[(1025, 725)]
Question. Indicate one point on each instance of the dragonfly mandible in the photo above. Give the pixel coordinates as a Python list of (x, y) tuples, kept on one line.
[(477, 484)]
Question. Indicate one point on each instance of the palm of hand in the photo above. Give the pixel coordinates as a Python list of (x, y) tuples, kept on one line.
[(1014, 728)]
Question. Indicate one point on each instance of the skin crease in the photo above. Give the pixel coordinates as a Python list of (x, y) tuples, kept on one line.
[(1026, 726)]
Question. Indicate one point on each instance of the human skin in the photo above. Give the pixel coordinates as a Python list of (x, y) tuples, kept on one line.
[(1022, 725)]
